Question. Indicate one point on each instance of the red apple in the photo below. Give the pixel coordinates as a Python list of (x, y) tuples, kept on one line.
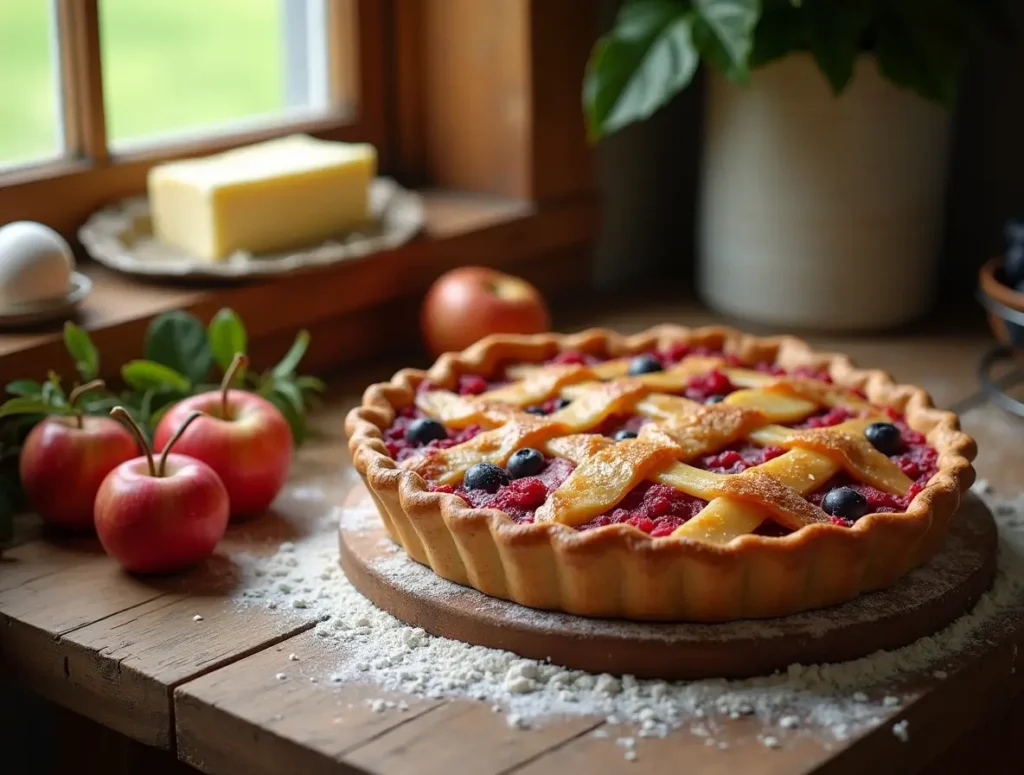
[(65, 459), (156, 517), (467, 304), (241, 436)]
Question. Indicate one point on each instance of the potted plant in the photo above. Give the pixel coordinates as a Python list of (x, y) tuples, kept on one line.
[(825, 143)]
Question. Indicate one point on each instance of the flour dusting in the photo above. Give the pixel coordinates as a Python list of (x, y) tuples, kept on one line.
[(833, 701)]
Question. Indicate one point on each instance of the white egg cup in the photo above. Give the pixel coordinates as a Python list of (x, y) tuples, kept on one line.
[(35, 312), (38, 281)]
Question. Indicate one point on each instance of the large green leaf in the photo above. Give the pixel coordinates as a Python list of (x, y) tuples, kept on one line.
[(81, 348), (292, 358), (150, 375), (178, 340), (25, 387), (227, 337), (834, 36), (723, 31), (29, 405), (922, 47), (779, 32), (647, 58)]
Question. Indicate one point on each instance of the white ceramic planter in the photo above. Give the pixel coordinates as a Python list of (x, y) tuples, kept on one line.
[(816, 211)]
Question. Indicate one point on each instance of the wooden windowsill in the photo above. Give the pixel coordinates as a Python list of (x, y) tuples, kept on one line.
[(355, 305)]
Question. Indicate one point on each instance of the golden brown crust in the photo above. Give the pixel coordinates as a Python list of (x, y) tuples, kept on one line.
[(619, 571)]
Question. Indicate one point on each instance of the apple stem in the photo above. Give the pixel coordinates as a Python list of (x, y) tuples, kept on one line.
[(121, 414), (80, 391), (240, 361), (171, 441)]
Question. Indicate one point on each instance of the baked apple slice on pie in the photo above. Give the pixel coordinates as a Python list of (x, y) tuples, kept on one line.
[(679, 474)]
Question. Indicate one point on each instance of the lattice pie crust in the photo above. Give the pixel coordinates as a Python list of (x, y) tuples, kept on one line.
[(712, 567)]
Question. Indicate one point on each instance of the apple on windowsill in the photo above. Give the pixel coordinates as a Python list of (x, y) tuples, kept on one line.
[(466, 304)]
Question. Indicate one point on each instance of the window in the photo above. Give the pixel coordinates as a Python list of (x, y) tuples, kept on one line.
[(29, 111), (97, 91), (174, 67)]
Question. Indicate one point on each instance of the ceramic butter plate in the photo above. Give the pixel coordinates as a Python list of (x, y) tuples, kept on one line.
[(121, 237), (18, 315)]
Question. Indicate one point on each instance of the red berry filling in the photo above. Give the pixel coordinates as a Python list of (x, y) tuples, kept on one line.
[(521, 498), (918, 461), (656, 509), (704, 386), (737, 458), (826, 418), (619, 422), (472, 385), (400, 448), (575, 358)]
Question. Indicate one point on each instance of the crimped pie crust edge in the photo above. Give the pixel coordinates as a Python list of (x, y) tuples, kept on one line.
[(619, 571)]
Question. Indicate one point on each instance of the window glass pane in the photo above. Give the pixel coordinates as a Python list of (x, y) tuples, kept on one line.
[(177, 66), (29, 114)]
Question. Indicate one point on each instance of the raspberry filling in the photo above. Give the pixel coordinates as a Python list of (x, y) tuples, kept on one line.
[(521, 498), (709, 385), (400, 448), (737, 458), (917, 460), (828, 417), (656, 509)]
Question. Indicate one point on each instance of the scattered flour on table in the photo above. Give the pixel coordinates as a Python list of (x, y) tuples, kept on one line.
[(303, 578)]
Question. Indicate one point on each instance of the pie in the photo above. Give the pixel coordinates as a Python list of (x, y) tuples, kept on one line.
[(679, 474)]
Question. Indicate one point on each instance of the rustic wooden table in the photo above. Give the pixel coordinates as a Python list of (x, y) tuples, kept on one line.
[(130, 655)]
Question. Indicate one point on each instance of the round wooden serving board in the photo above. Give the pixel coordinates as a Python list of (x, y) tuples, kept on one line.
[(922, 603)]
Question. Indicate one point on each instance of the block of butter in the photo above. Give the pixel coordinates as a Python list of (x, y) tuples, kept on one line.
[(288, 192)]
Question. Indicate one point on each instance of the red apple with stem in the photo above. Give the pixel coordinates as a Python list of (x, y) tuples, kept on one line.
[(65, 459), (160, 516), (469, 303), (241, 436)]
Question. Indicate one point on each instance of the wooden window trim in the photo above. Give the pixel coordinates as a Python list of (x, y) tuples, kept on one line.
[(530, 206)]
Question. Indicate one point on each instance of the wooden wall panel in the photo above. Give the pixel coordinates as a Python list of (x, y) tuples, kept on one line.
[(489, 94)]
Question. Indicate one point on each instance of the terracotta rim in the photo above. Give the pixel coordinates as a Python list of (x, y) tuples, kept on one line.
[(619, 571), (991, 286)]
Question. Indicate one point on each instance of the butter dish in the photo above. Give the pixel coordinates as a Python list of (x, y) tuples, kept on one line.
[(121, 237)]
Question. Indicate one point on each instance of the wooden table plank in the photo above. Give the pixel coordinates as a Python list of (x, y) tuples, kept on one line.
[(937, 713), (272, 725), (1000, 437), (487, 744)]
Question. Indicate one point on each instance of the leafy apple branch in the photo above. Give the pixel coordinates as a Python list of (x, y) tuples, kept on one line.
[(179, 356)]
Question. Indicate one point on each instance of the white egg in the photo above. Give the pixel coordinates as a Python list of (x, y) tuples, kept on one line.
[(35, 264)]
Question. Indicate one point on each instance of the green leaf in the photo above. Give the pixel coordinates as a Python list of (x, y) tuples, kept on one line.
[(178, 340), (147, 375), (227, 337), (296, 419), (834, 35), (779, 32), (311, 384), (724, 33), (291, 359), (290, 392), (29, 405), (25, 387), (922, 47), (647, 58), (53, 393), (81, 348)]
